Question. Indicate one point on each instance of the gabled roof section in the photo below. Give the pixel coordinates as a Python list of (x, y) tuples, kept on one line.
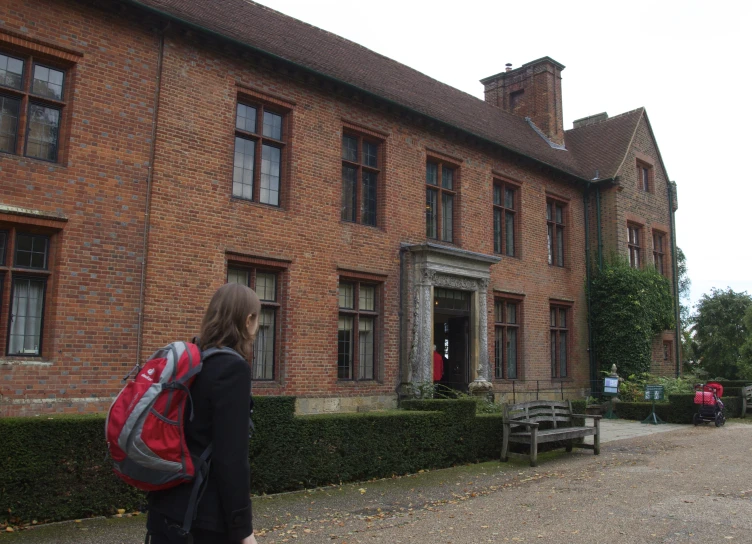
[(602, 147), (334, 57)]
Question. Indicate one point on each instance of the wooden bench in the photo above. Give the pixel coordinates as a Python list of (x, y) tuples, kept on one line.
[(746, 399), (529, 416)]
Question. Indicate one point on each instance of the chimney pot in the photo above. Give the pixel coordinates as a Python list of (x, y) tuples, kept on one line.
[(509, 66)]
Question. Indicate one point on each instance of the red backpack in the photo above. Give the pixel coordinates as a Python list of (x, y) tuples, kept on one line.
[(144, 427)]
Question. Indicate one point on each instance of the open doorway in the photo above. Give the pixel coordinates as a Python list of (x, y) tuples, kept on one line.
[(451, 333)]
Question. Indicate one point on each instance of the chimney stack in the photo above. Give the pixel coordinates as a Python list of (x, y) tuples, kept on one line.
[(533, 90)]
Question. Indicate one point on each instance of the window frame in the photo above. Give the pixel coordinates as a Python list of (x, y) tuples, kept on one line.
[(27, 98), (659, 255), (504, 327), (10, 272), (355, 312), (440, 192), (253, 271), (668, 352), (555, 334), (553, 227), (645, 177), (502, 248), (635, 244), (259, 141), (360, 167)]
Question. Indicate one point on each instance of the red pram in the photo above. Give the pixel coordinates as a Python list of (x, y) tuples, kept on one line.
[(710, 408)]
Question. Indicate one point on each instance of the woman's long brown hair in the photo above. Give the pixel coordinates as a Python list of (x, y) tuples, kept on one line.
[(224, 323)]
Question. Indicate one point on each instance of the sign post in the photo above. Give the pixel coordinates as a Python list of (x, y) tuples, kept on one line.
[(611, 389), (654, 393)]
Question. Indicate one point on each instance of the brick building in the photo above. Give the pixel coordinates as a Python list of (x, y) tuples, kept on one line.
[(152, 150)]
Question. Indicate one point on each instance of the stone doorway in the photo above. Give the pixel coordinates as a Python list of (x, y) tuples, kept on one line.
[(434, 276)]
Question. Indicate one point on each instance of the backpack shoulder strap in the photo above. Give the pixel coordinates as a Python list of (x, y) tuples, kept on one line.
[(215, 351)]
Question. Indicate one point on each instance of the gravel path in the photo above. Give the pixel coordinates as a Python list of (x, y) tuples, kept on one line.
[(689, 485)]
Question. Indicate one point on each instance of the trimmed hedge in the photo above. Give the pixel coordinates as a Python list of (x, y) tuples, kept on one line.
[(678, 409), (55, 468)]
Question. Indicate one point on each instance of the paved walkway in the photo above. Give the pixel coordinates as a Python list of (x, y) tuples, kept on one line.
[(648, 486), (622, 429)]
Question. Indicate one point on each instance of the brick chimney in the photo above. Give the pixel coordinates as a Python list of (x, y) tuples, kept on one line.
[(533, 90)]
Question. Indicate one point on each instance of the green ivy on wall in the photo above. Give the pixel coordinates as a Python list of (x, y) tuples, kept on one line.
[(629, 307)]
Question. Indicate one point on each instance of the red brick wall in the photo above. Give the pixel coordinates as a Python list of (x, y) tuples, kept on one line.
[(91, 317), (195, 223)]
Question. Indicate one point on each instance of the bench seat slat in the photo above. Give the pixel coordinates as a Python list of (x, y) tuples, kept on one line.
[(552, 435), (539, 419)]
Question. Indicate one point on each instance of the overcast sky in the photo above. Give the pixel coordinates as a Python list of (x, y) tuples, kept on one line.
[(686, 62)]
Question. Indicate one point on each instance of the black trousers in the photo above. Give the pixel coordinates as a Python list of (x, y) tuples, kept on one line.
[(163, 530)]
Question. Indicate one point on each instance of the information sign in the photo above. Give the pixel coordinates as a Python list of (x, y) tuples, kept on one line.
[(611, 386), (654, 392)]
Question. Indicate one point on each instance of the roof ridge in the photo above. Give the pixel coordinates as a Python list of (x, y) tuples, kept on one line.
[(602, 121)]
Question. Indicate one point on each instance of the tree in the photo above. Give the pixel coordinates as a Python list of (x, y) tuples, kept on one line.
[(687, 342), (684, 285), (745, 365), (720, 332)]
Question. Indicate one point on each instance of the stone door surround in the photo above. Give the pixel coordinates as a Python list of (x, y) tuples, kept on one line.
[(435, 265)]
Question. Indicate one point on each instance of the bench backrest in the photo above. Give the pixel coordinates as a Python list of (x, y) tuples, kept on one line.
[(539, 411)]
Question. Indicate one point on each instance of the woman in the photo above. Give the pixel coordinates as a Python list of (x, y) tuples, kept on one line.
[(221, 397)]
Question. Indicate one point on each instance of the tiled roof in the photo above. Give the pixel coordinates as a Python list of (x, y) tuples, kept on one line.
[(602, 146), (335, 57)]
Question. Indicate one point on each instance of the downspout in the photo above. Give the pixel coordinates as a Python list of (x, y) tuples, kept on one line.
[(149, 180), (591, 355), (675, 269), (401, 357), (598, 218)]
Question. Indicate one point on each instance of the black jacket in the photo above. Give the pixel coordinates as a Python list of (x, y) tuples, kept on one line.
[(221, 402)]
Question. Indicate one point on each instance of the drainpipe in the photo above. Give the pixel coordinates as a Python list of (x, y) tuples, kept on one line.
[(401, 358), (149, 179), (591, 355), (598, 218), (675, 269)]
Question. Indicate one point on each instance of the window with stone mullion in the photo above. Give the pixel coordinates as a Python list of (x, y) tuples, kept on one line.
[(633, 245), (559, 345), (32, 100), (440, 196), (259, 147), (360, 178), (356, 331), (555, 219), (25, 267), (506, 346), (659, 252), (505, 208), (264, 283)]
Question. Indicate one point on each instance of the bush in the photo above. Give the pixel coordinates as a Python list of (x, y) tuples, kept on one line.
[(55, 468)]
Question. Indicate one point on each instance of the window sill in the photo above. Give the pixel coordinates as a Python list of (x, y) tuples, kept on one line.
[(239, 200), (14, 360), (40, 162), (356, 224), (559, 380), (355, 383)]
